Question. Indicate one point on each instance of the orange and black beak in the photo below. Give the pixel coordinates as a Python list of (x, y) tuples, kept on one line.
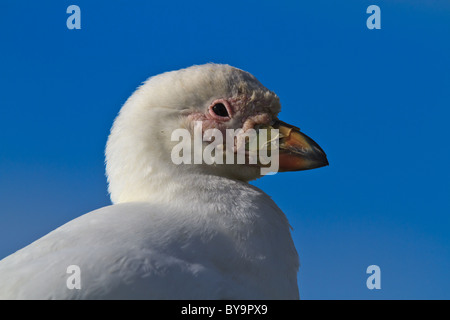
[(297, 151)]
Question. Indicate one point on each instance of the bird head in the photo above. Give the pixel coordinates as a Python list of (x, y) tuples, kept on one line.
[(187, 111)]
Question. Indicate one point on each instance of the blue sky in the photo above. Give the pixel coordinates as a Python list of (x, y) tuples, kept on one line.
[(377, 101)]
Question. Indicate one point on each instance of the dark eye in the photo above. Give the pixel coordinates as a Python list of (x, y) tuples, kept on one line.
[(220, 110)]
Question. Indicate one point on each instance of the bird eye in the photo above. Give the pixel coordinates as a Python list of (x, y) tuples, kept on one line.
[(220, 110)]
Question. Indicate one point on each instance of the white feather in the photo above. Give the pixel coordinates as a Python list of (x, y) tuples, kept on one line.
[(174, 232)]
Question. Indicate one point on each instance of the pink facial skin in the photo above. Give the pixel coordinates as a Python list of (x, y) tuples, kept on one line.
[(239, 109)]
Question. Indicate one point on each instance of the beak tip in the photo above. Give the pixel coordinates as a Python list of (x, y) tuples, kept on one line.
[(323, 162), (298, 151)]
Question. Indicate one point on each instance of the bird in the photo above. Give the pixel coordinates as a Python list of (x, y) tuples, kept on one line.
[(176, 231)]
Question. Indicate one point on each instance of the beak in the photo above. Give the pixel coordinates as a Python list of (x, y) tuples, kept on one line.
[(297, 151)]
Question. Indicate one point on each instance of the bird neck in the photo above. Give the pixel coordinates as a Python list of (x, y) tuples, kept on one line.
[(164, 183)]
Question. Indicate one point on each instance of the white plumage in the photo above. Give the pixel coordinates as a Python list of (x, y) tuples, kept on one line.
[(174, 231)]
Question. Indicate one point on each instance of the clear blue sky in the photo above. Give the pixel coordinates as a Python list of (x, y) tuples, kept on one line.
[(377, 101)]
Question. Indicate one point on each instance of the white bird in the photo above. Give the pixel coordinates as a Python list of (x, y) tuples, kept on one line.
[(175, 231)]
